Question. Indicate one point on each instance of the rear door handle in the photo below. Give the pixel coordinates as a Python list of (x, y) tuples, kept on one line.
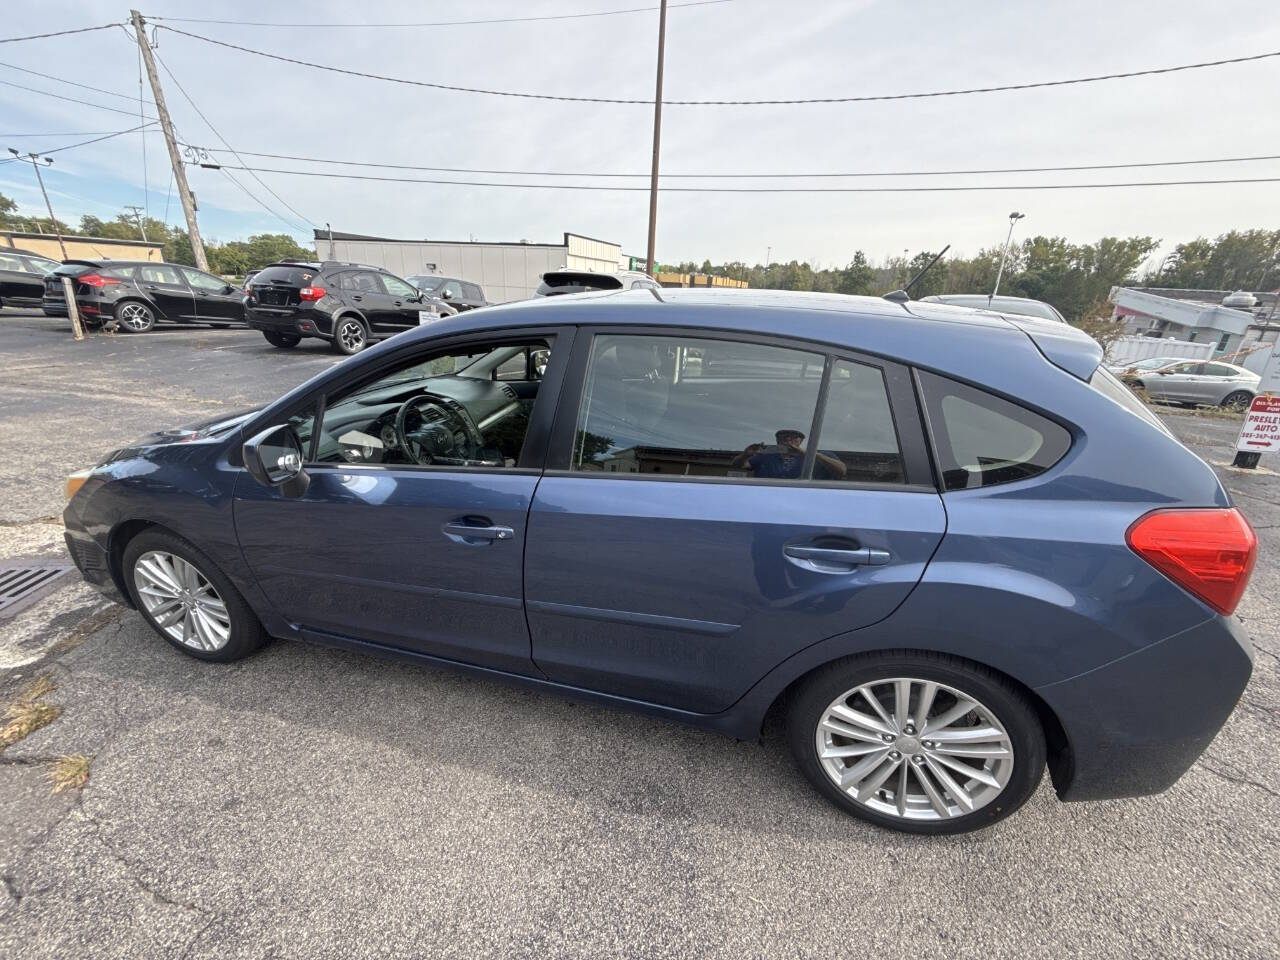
[(465, 532), (861, 556)]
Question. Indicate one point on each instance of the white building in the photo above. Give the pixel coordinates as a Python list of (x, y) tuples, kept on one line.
[(506, 271), (1239, 325)]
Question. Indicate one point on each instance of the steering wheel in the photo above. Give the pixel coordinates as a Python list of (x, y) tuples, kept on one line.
[(427, 429)]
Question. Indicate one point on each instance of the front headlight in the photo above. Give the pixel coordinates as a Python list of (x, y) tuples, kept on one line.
[(76, 480)]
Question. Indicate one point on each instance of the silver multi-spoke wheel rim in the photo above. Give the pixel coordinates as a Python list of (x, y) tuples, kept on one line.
[(914, 749), (181, 601), (352, 335), (135, 316)]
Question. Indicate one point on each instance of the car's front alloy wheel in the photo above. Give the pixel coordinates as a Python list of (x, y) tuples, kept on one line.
[(918, 742), (187, 599)]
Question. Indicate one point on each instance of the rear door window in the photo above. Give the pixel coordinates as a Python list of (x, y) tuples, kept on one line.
[(981, 440), (858, 442), (161, 274)]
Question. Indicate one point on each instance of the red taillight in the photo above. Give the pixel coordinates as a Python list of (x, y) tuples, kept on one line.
[(98, 280), (312, 293), (1209, 553)]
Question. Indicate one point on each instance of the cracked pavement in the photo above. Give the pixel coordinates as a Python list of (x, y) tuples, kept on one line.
[(313, 803)]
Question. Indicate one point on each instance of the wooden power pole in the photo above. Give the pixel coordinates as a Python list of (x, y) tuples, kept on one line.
[(657, 142), (179, 172)]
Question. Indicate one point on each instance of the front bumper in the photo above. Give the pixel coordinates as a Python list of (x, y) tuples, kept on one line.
[(90, 558), (1135, 725)]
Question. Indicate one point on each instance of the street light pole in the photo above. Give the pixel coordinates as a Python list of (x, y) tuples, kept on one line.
[(35, 158), (1013, 218), (657, 141)]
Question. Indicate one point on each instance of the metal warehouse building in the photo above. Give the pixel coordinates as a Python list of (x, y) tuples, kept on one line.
[(507, 271)]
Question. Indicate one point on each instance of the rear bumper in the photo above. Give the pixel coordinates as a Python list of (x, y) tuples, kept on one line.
[(299, 324), (1135, 725)]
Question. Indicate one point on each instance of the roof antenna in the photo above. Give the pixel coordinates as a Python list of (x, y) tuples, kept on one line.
[(903, 295)]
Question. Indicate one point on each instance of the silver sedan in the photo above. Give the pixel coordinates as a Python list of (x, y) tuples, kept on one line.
[(1206, 382)]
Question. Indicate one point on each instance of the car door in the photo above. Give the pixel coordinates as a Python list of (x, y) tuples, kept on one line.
[(426, 558), (215, 299), (367, 294), (1215, 382), (13, 278), (1172, 382), (164, 287), (473, 295), (451, 293), (687, 537), (406, 304)]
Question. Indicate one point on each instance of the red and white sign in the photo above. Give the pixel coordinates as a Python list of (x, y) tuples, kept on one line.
[(1261, 430)]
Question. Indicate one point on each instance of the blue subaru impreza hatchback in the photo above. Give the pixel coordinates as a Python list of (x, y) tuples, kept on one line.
[(947, 545)]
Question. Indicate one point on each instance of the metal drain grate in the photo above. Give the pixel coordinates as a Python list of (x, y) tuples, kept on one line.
[(22, 586)]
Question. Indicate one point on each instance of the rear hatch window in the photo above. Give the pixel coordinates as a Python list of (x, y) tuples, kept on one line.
[(565, 281), (1105, 382), (278, 286)]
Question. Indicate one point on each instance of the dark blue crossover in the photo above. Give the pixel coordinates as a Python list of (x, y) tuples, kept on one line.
[(945, 546)]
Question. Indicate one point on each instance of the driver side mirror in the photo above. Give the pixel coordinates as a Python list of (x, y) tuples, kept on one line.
[(229, 288), (274, 459)]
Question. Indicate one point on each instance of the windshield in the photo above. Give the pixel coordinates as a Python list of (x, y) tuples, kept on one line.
[(427, 284), (1151, 363)]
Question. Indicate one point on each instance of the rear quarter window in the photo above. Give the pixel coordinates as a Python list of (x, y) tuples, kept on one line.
[(981, 440)]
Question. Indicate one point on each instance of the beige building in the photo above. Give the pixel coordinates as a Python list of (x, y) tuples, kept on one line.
[(82, 248), (507, 271)]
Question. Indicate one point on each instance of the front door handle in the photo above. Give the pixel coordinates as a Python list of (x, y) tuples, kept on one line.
[(859, 557), (356, 296), (466, 533)]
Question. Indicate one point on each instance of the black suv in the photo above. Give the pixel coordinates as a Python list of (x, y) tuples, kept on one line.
[(459, 294), (138, 293), (348, 304), (22, 276)]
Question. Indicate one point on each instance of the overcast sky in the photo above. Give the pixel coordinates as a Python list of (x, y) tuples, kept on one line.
[(744, 49)]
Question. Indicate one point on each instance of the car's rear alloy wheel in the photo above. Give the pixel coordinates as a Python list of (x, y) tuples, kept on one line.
[(918, 742), (1238, 401), (182, 601), (350, 337), (134, 317), (187, 599)]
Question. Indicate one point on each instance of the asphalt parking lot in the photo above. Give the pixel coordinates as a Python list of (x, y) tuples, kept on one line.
[(311, 803)]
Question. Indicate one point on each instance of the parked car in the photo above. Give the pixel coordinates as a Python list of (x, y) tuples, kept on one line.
[(1198, 382), (459, 294), (349, 304), (947, 547), (22, 276), (557, 282), (1019, 306), (138, 294), (1145, 365)]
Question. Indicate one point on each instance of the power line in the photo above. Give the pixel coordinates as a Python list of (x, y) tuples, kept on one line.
[(443, 23), (59, 33), (83, 86), (187, 96), (746, 176), (58, 96), (721, 103), (70, 133), (576, 186), (85, 143)]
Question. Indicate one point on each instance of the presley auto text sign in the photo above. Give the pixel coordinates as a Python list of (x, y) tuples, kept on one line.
[(1261, 430)]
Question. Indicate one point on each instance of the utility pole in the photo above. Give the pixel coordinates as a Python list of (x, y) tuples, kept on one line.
[(137, 218), (1013, 218), (179, 172), (53, 221), (657, 142)]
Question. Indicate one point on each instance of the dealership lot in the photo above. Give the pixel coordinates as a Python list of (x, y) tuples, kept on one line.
[(313, 803)]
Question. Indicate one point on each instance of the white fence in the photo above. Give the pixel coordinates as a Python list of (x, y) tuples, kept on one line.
[(1133, 349)]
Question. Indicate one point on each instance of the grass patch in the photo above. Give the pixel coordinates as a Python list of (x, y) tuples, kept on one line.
[(69, 772), (27, 714)]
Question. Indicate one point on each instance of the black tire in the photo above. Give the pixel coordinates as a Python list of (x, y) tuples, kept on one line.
[(134, 316), (1009, 706), (350, 335), (246, 633), (1238, 401), (281, 339)]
